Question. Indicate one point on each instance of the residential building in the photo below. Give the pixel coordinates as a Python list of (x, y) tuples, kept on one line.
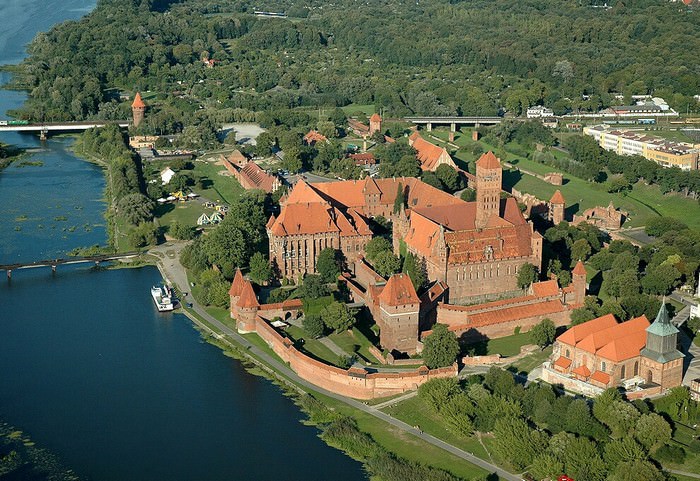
[(314, 137)]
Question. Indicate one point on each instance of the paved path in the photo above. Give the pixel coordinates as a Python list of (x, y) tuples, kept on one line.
[(336, 349), (399, 399), (683, 473), (173, 271)]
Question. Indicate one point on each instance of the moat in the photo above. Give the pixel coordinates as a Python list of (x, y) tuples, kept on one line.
[(91, 371)]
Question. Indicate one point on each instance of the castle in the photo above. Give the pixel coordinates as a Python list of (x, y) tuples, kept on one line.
[(475, 248)]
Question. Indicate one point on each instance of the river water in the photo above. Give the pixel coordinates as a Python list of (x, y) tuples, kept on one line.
[(89, 369)]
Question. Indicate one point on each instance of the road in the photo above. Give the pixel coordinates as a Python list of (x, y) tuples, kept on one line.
[(173, 271)]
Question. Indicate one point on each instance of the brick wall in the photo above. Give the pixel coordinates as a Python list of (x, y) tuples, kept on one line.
[(353, 383)]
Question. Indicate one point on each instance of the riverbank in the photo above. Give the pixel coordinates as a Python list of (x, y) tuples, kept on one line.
[(409, 444)]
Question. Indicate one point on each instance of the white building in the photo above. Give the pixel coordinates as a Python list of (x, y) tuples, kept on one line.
[(167, 175), (538, 112)]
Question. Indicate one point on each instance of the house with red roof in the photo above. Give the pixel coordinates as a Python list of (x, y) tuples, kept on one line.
[(314, 137), (605, 353)]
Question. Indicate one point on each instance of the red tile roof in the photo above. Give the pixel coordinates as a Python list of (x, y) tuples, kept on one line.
[(248, 298), (573, 335), (488, 161), (138, 102), (375, 118), (601, 377), (363, 159), (399, 291), (557, 198), (314, 136), (582, 371), (237, 284), (563, 362), (429, 154), (580, 269), (546, 288)]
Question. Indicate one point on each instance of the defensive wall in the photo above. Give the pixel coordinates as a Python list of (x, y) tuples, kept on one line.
[(354, 382)]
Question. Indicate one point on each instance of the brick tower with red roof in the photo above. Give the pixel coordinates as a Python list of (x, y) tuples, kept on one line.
[(489, 178), (138, 109), (375, 124), (557, 206)]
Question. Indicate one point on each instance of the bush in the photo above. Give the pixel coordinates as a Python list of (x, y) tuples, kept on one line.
[(670, 454)]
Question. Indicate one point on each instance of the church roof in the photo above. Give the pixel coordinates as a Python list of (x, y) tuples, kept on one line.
[(605, 338), (375, 118), (429, 154), (488, 161), (557, 198), (662, 324), (399, 291), (578, 332), (138, 101)]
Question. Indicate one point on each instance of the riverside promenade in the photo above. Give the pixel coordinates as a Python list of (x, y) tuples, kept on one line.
[(168, 256)]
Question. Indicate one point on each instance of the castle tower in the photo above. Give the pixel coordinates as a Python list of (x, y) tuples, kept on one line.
[(578, 282), (235, 291), (557, 204), (375, 124), (246, 309), (489, 176), (138, 109)]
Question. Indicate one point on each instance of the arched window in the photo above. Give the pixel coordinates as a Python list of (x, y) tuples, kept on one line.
[(602, 366), (622, 371), (568, 354), (636, 368)]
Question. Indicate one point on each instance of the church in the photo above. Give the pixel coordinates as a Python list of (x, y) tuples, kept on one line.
[(475, 248)]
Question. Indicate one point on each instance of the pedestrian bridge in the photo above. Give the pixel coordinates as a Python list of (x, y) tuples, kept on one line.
[(45, 128), (453, 121), (53, 263)]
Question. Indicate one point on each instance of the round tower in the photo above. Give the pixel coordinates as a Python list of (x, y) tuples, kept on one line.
[(138, 109)]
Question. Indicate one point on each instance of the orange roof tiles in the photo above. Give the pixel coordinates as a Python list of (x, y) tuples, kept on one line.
[(138, 102), (563, 362), (237, 284), (429, 154), (514, 313), (557, 198), (248, 298), (601, 377), (399, 291), (488, 161), (604, 338), (314, 136), (582, 371), (375, 118), (546, 288), (580, 269), (573, 335)]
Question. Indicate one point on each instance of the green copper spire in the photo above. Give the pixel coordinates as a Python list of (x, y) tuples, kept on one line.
[(662, 324)]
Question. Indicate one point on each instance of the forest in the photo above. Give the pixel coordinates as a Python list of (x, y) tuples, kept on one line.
[(429, 57)]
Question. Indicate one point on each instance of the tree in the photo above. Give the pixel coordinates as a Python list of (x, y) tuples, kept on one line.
[(181, 231), (260, 269), (414, 268), (387, 264), (143, 235), (400, 199), (517, 442), (652, 431), (313, 325), (338, 317), (449, 177), (580, 250), (543, 333), (136, 208), (636, 470), (376, 246), (437, 392), (313, 287), (440, 348), (546, 466), (328, 264), (468, 195), (527, 275), (660, 280)]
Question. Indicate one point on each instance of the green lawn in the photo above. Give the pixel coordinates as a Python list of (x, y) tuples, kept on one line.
[(221, 188), (311, 346), (355, 109), (406, 445), (315, 306), (354, 343), (509, 345), (531, 361), (416, 412)]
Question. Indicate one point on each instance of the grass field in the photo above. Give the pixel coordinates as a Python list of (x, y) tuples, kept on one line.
[(356, 109), (405, 445), (311, 346)]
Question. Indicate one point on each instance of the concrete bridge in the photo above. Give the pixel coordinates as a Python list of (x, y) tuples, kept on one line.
[(453, 122), (53, 263), (44, 128)]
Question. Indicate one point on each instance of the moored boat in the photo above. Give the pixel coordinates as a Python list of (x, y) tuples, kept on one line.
[(163, 297)]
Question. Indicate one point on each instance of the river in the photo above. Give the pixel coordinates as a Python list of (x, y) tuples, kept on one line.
[(89, 370)]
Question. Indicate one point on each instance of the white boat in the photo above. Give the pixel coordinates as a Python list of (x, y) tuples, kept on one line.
[(163, 297)]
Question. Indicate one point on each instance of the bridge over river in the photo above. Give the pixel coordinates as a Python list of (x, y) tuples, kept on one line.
[(53, 263), (44, 128)]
